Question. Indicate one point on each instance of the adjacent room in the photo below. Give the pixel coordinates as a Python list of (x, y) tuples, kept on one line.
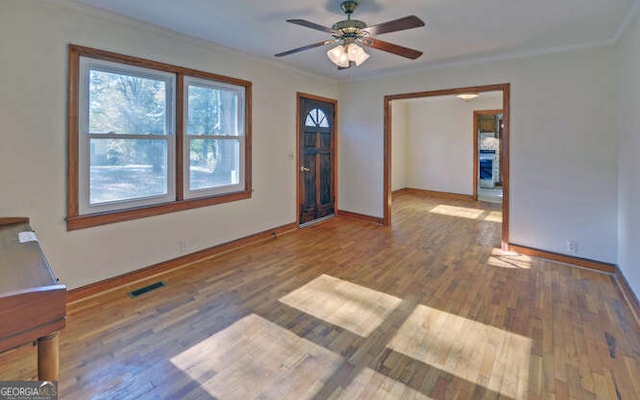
[(449, 144), (211, 199)]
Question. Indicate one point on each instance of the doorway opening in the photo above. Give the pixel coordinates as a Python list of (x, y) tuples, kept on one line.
[(488, 126), (503, 161)]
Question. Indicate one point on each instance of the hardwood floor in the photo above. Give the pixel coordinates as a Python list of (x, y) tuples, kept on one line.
[(429, 308)]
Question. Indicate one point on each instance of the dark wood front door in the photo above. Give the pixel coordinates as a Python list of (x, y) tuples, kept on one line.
[(316, 140)]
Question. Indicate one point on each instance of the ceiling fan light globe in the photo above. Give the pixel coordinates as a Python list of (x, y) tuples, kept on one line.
[(339, 56), (357, 54)]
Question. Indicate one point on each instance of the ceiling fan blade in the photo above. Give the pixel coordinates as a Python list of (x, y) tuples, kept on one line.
[(391, 48), (303, 48), (312, 25), (400, 24)]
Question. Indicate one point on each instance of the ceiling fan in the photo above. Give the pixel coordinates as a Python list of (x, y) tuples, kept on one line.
[(350, 33)]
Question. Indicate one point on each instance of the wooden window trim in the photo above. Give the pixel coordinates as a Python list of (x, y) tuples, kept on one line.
[(77, 221)]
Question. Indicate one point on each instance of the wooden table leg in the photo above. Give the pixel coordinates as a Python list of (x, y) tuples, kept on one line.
[(48, 357)]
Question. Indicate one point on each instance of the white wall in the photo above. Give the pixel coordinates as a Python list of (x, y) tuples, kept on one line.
[(33, 86), (629, 161), (563, 145), (399, 152), (441, 145), (439, 142), (490, 101)]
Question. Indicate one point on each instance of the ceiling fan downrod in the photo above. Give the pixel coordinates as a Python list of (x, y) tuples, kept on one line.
[(348, 29)]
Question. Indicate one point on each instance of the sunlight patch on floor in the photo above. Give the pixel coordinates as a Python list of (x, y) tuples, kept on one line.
[(255, 358), (455, 211), (469, 213), (370, 384), (481, 354), (494, 216), (353, 307), (509, 259)]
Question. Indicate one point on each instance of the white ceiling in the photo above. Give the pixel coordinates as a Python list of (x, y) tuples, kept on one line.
[(457, 31)]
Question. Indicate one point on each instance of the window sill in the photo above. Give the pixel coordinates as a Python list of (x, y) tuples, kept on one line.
[(75, 222)]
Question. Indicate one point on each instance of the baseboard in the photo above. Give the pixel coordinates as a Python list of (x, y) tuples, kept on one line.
[(628, 294), (164, 267), (577, 261), (434, 193), (361, 217)]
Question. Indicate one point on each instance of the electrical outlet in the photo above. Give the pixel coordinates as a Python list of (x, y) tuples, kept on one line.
[(572, 246)]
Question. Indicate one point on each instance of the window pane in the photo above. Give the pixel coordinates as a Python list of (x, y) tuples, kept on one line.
[(213, 163), (125, 169), (212, 111), (120, 103), (317, 118)]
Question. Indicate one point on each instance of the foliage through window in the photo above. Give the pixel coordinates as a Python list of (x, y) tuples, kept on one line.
[(128, 131), (214, 125), (130, 125)]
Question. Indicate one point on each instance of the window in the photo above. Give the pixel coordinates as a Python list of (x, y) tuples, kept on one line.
[(127, 138), (316, 118), (139, 147), (214, 124)]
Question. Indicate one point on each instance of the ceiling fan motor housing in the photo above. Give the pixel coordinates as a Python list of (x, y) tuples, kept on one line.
[(349, 27)]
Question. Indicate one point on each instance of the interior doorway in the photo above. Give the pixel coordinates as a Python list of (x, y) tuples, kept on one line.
[(488, 126), (316, 166), (504, 89)]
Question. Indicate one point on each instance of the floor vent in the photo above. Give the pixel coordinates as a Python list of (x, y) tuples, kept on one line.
[(135, 293)]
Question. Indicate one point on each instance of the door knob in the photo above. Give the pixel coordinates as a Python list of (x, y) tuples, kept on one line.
[(304, 169)]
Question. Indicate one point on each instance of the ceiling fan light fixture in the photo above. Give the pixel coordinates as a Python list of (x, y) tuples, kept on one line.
[(351, 34), (356, 54), (338, 55), (468, 96)]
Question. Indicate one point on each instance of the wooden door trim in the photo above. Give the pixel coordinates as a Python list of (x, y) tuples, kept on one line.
[(334, 149), (505, 88), (476, 146)]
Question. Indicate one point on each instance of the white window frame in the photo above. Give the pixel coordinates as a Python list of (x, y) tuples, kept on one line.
[(239, 135), (84, 136)]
